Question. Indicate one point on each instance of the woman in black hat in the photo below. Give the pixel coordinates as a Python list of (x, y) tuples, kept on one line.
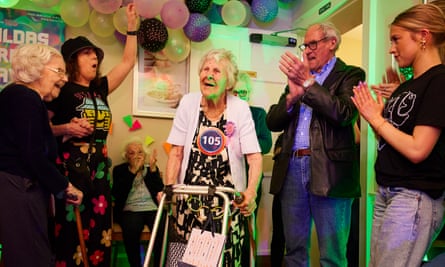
[(81, 119)]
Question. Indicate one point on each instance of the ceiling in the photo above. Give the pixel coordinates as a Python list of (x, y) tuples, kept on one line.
[(355, 33)]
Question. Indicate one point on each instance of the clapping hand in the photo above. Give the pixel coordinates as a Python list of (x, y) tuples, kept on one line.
[(389, 83)]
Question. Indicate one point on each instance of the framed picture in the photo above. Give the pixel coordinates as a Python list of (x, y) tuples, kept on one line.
[(159, 84)]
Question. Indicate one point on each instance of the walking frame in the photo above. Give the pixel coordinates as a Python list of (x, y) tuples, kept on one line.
[(198, 190)]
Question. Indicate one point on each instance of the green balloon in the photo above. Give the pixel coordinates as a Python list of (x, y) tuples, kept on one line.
[(8, 3), (177, 48), (74, 12)]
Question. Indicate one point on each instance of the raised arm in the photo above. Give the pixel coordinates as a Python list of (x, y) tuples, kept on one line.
[(121, 70)]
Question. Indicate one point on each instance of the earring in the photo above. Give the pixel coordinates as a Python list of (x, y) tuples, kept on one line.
[(423, 44)]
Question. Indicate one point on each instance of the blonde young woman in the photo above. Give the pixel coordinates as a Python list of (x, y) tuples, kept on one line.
[(410, 166)]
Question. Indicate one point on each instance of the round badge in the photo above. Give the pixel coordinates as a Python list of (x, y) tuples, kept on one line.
[(211, 141)]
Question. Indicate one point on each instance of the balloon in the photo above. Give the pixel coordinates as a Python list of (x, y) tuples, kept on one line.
[(152, 35), (174, 14), (177, 48), (75, 12), (106, 6), (197, 28), (236, 13), (214, 14), (198, 6), (8, 3), (265, 10), (220, 2), (45, 3), (101, 24), (149, 8), (120, 20), (122, 38)]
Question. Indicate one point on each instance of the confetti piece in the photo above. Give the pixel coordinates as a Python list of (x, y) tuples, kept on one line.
[(167, 147), (128, 120), (136, 125), (149, 140)]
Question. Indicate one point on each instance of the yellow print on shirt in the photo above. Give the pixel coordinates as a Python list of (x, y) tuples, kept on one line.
[(103, 113)]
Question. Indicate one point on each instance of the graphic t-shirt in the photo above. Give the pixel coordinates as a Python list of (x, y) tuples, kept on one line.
[(417, 101), (76, 101)]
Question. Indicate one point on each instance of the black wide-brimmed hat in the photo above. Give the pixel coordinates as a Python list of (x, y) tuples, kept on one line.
[(74, 45)]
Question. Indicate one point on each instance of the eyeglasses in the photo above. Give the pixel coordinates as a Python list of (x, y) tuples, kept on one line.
[(311, 45), (59, 71), (240, 93)]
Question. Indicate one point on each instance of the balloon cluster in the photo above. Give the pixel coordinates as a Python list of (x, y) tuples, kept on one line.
[(168, 26)]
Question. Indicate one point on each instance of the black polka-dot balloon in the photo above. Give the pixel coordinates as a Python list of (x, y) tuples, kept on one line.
[(198, 6), (152, 35)]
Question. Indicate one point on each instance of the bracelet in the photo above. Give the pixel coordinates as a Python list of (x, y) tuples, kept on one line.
[(132, 32)]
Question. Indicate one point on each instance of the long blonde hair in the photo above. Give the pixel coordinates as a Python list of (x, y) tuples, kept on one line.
[(423, 16)]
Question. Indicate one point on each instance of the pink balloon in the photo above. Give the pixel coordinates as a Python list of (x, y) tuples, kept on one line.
[(174, 14), (105, 6), (149, 8)]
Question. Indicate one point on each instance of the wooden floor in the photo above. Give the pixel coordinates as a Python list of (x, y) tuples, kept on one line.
[(121, 258), (263, 261)]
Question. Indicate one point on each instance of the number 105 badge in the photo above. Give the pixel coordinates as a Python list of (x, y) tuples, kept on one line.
[(211, 141)]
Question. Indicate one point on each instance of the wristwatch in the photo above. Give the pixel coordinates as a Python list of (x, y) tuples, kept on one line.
[(308, 83)]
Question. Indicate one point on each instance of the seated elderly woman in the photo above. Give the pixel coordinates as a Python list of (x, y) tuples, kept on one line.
[(137, 188), (212, 134)]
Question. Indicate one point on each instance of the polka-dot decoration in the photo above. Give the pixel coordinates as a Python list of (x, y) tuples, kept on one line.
[(264, 10), (152, 35), (198, 6), (197, 28)]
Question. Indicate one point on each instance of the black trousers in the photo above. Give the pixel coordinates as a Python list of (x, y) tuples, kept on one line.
[(132, 225), (24, 222)]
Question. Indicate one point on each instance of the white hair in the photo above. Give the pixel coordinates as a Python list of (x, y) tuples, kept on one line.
[(135, 140), (29, 60)]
